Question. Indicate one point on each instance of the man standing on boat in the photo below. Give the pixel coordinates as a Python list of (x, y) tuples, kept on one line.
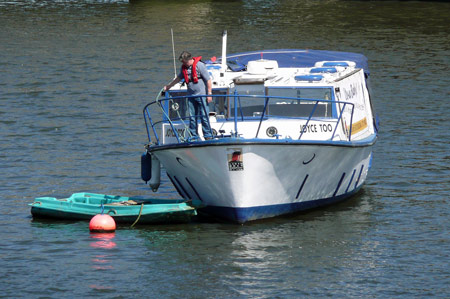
[(198, 81)]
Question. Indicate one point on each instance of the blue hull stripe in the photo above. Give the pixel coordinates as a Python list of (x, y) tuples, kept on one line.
[(301, 187), (359, 176), (351, 180), (182, 188), (192, 186), (181, 193), (339, 185), (241, 215)]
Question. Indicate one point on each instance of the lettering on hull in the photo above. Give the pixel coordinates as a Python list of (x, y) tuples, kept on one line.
[(316, 128), (170, 132)]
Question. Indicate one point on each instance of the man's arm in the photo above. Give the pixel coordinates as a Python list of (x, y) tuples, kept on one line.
[(169, 86), (209, 90), (207, 79)]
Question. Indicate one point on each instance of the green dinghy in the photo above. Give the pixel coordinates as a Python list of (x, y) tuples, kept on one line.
[(83, 206)]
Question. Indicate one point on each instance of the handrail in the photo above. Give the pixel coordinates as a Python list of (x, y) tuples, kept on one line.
[(235, 111), (339, 118), (262, 115), (158, 101), (147, 114), (351, 123), (238, 112)]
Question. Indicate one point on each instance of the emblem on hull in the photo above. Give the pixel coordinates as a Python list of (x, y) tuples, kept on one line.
[(235, 160)]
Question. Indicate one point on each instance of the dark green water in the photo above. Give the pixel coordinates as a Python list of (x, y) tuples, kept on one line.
[(74, 77)]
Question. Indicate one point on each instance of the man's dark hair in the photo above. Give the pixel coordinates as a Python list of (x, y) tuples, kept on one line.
[(185, 56)]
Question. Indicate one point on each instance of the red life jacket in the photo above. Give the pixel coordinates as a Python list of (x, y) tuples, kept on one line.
[(194, 71)]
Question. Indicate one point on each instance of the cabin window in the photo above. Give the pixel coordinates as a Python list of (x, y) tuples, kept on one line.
[(302, 107), (219, 104), (249, 99)]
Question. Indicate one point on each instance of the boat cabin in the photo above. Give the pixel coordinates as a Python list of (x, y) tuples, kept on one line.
[(261, 100)]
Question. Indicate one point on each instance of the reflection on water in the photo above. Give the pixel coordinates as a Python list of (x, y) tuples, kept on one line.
[(103, 240), (277, 256), (288, 253), (101, 262)]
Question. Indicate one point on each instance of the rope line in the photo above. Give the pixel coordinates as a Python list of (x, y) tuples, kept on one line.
[(139, 216)]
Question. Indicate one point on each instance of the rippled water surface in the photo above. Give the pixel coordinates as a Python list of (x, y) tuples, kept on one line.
[(74, 77)]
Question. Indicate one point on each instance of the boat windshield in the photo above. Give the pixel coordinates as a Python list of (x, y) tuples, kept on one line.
[(304, 107)]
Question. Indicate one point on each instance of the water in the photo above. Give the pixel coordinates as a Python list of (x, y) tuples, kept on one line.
[(74, 77)]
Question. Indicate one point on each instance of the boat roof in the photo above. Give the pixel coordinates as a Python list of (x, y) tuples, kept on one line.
[(296, 58)]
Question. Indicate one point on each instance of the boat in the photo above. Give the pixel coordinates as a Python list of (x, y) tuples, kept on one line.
[(293, 130), (83, 206)]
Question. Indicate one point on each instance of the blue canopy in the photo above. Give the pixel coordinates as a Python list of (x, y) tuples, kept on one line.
[(298, 58)]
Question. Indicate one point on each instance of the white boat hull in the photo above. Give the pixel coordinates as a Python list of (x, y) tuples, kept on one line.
[(291, 131), (267, 179)]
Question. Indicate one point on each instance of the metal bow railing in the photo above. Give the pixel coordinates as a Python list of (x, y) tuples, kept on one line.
[(161, 109)]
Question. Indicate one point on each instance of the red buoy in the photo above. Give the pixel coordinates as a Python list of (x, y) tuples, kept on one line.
[(102, 223)]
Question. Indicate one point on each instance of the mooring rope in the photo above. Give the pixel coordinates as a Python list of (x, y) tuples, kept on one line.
[(139, 216)]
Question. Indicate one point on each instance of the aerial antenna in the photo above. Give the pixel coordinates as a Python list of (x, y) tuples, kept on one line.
[(173, 50), (224, 53)]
